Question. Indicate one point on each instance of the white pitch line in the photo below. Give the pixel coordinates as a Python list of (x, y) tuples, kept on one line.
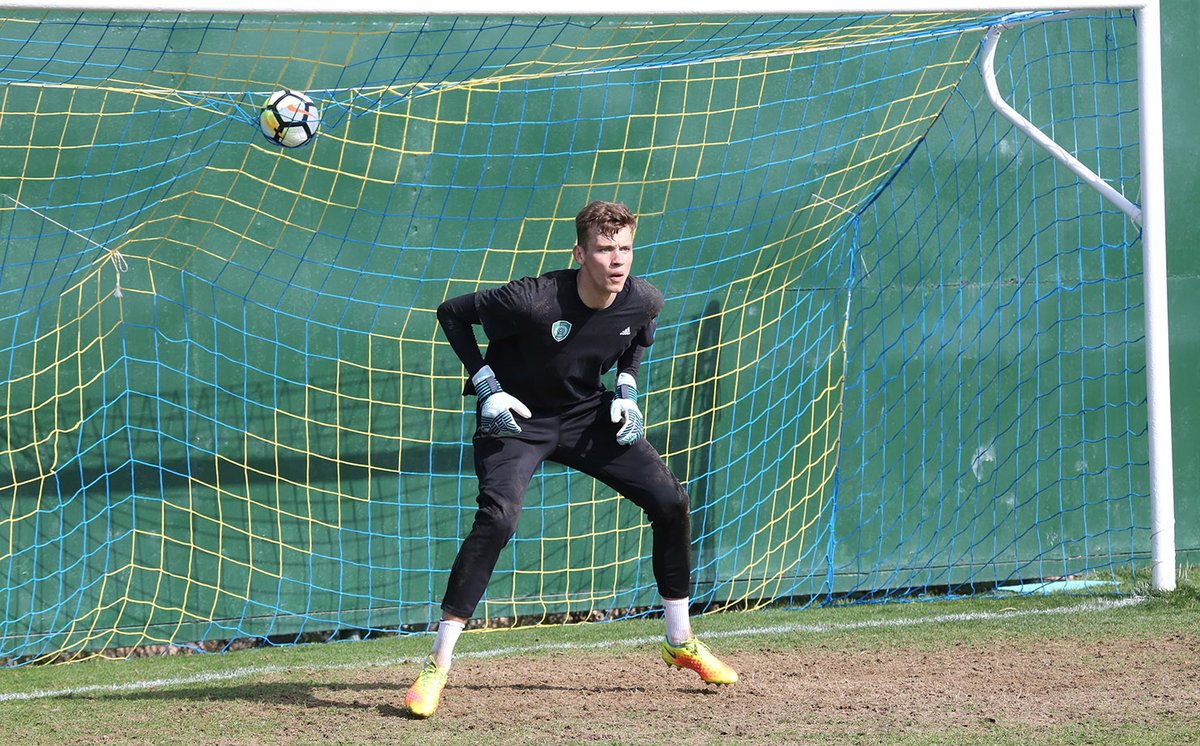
[(782, 629)]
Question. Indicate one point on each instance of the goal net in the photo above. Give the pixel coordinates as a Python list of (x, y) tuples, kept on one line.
[(902, 349)]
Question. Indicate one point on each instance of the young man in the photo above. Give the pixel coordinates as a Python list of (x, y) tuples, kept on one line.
[(549, 340)]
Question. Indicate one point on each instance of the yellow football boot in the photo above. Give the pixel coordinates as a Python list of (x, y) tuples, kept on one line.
[(423, 696), (695, 655)]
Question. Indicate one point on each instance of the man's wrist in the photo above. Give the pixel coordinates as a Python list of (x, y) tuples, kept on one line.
[(626, 387), (485, 383)]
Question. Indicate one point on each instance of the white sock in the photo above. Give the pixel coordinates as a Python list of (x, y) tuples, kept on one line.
[(675, 614), (443, 645)]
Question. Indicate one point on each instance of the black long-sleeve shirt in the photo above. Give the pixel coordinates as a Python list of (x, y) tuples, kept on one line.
[(545, 346)]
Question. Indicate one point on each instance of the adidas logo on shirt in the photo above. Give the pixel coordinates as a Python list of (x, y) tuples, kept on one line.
[(625, 332)]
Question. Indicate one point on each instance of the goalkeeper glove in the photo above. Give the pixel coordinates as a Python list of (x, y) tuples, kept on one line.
[(496, 408), (624, 407)]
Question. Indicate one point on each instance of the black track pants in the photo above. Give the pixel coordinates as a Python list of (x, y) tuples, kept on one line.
[(583, 439)]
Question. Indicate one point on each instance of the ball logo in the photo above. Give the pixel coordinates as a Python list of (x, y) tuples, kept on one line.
[(559, 330)]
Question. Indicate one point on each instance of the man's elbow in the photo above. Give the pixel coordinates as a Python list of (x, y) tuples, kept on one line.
[(449, 314), (444, 313)]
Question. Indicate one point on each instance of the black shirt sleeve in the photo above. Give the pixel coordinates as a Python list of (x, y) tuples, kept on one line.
[(500, 310), (456, 316), (631, 360)]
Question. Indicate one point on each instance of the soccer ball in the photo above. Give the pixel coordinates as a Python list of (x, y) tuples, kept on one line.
[(289, 118)]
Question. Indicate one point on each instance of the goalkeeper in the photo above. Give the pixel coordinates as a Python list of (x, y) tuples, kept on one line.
[(540, 398)]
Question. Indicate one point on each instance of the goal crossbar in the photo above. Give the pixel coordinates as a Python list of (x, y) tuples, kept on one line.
[(613, 8)]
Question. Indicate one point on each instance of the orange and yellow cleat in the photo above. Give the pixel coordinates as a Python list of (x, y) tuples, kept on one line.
[(695, 655), (423, 696)]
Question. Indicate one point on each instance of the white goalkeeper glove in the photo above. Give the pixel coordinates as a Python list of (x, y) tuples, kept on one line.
[(624, 409), (496, 407)]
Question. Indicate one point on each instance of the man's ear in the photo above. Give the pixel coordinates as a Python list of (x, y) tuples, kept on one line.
[(577, 252)]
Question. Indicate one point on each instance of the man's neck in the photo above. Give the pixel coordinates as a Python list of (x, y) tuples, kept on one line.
[(595, 300)]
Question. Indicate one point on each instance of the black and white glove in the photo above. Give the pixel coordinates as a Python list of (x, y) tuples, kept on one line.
[(496, 408), (625, 410)]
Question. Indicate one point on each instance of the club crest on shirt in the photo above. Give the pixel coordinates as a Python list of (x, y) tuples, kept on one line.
[(559, 330)]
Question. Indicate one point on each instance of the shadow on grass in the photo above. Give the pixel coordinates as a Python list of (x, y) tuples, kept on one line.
[(386, 699), (592, 689), (278, 693)]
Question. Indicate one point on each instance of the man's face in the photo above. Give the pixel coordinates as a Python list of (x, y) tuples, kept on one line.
[(605, 262)]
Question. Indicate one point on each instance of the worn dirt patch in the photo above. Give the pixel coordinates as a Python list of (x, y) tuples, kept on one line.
[(633, 697)]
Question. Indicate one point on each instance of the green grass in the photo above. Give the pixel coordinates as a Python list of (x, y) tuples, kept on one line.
[(526, 685)]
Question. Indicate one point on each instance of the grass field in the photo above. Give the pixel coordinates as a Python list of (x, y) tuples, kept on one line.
[(1021, 670)]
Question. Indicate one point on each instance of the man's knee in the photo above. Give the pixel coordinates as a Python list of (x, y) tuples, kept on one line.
[(499, 519), (670, 504)]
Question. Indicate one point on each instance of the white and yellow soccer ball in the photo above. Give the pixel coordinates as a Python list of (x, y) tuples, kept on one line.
[(289, 118)]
